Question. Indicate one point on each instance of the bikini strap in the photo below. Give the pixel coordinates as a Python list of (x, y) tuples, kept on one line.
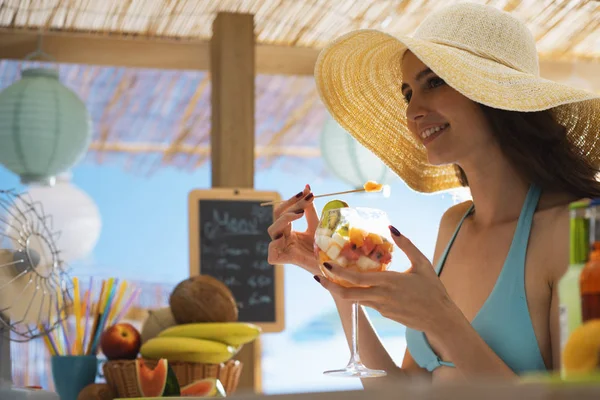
[(440, 264)]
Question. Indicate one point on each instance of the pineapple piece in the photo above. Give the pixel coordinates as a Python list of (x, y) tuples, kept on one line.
[(387, 246), (334, 251), (357, 236), (375, 238)]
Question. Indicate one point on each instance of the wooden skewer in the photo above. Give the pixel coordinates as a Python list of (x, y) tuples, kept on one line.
[(268, 203)]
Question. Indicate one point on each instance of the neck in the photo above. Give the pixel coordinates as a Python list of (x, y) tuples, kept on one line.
[(498, 190)]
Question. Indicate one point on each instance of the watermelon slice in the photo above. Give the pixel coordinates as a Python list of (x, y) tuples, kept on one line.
[(207, 387), (160, 381)]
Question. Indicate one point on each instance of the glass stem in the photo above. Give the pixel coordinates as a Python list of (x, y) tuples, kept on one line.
[(355, 357)]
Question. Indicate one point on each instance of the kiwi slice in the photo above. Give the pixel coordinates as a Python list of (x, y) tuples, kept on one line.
[(331, 219)]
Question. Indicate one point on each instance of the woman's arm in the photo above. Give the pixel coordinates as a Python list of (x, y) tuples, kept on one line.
[(469, 353)]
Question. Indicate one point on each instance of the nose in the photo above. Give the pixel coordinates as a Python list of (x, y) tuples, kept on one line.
[(416, 109)]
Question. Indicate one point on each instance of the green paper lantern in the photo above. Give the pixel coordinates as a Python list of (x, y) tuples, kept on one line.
[(349, 160), (45, 129)]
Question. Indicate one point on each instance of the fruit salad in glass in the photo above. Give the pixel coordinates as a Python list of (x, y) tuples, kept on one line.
[(358, 239), (354, 238)]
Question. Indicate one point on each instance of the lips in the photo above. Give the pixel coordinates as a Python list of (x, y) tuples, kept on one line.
[(432, 132)]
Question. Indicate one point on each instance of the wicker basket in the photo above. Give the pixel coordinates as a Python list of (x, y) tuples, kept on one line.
[(121, 376)]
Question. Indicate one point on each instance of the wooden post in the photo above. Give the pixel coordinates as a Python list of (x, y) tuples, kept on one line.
[(232, 69), (232, 118)]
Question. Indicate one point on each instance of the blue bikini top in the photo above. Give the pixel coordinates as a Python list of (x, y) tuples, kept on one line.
[(503, 321)]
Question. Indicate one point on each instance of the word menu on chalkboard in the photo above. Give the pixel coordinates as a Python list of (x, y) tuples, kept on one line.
[(229, 241)]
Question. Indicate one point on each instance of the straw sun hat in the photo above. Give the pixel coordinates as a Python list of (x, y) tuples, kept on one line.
[(485, 54)]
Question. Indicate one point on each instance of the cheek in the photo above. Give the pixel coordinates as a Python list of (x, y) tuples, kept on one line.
[(412, 127)]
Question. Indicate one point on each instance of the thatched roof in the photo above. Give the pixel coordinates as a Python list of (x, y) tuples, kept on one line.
[(154, 117)]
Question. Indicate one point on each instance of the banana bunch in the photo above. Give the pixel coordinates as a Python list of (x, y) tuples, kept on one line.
[(206, 342)]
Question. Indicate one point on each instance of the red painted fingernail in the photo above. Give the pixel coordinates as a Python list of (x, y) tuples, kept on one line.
[(278, 236), (394, 231), (317, 279), (299, 212), (310, 196), (299, 195), (308, 186), (327, 265)]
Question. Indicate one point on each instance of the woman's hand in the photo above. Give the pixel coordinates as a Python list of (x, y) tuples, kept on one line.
[(415, 298), (291, 247)]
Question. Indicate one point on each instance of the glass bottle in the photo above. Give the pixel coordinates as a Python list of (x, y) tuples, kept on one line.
[(589, 280), (568, 286)]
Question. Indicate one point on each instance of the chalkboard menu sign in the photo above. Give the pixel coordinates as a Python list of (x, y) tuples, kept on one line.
[(229, 241)]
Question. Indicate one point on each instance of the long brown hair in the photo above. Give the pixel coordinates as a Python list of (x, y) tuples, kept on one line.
[(538, 146)]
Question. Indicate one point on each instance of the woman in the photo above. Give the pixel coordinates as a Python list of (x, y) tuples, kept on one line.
[(460, 103)]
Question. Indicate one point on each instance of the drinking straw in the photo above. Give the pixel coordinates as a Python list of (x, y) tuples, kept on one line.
[(88, 307), (77, 305), (102, 322), (63, 320), (128, 304), (49, 345), (117, 302), (96, 318)]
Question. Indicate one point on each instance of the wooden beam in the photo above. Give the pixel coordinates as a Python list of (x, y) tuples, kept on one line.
[(174, 54), (259, 151), (143, 52), (232, 71)]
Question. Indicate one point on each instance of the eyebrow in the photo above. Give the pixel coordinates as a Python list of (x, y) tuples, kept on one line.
[(419, 76)]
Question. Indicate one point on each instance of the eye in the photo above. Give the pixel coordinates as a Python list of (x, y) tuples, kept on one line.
[(435, 82), (407, 96)]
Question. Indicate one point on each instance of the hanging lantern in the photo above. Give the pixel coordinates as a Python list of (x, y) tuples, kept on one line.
[(349, 160), (73, 213), (45, 129)]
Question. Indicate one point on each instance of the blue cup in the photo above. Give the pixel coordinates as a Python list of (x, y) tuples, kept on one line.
[(72, 373)]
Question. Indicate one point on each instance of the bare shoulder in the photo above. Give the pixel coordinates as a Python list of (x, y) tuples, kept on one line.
[(448, 224), (453, 215)]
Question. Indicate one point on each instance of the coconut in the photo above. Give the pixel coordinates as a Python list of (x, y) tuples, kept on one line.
[(158, 320), (203, 298)]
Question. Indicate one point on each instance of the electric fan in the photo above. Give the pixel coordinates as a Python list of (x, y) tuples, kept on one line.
[(34, 286)]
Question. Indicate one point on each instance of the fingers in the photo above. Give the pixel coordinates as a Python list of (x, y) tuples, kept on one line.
[(358, 278), (275, 249), (284, 206), (412, 252), (312, 218), (282, 224)]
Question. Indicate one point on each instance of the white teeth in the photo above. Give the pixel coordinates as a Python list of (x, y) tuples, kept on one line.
[(430, 131)]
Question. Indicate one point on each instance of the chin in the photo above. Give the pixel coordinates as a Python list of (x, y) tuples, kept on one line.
[(438, 160)]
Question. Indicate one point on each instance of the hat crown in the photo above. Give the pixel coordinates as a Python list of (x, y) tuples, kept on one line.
[(485, 31)]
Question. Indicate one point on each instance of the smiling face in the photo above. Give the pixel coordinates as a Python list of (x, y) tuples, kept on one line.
[(452, 127)]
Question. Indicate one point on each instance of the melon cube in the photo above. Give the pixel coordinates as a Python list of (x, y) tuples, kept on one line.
[(339, 239), (366, 264), (324, 242), (324, 231), (334, 250), (342, 261)]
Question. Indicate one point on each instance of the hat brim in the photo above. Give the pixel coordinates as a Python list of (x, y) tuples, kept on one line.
[(359, 78)]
